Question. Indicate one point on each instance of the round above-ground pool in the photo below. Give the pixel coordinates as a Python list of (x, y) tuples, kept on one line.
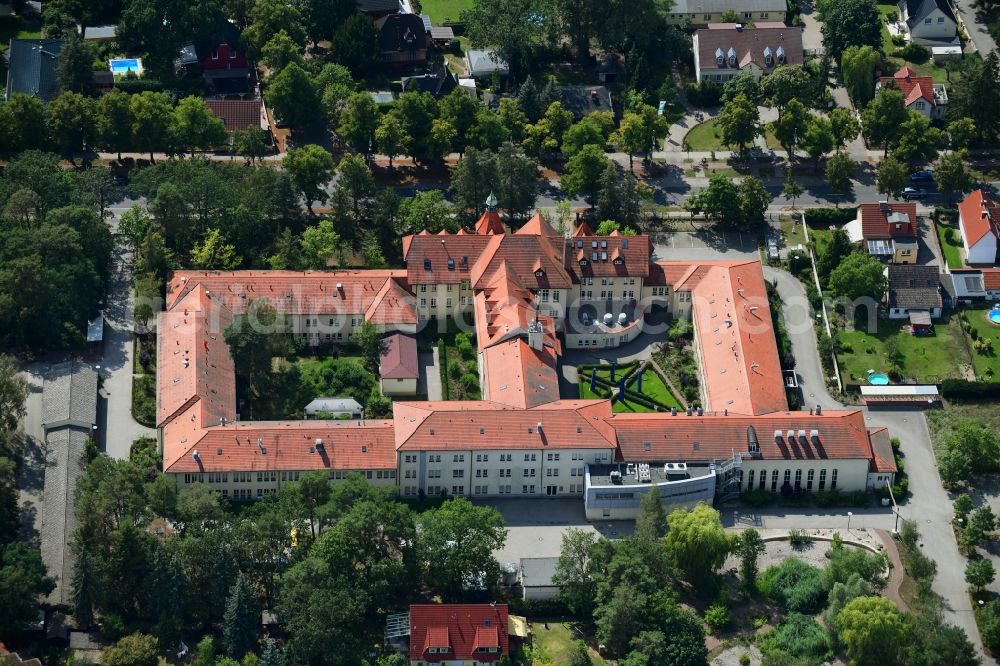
[(994, 315), (878, 379)]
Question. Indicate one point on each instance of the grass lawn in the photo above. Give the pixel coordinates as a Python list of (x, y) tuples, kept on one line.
[(927, 359), (819, 238), (653, 387), (619, 406), (941, 421), (987, 366), (791, 231), (443, 11), (705, 136), (556, 644), (952, 249), (771, 139), (656, 389)]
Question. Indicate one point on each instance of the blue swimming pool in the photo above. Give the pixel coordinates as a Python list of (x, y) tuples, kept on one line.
[(123, 65), (994, 315), (878, 379)]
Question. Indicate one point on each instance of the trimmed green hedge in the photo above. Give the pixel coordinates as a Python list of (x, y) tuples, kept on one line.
[(960, 389), (826, 217)]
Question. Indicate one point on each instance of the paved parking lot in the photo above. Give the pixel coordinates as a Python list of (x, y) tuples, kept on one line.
[(704, 245)]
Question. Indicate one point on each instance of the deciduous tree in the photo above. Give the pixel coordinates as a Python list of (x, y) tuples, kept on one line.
[(740, 123), (858, 276), (857, 68), (697, 543), (310, 168), (873, 630), (293, 97), (583, 173), (891, 177)]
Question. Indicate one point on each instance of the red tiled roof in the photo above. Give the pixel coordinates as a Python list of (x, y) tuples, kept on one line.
[(290, 445), (608, 256), (526, 256), (536, 226), (978, 216), (875, 222), (193, 361), (504, 309), (912, 86), (446, 425), (520, 376), (882, 460), (583, 229), (463, 628), (841, 435), (991, 279), (427, 257), (666, 273), (490, 223), (288, 292), (737, 349), (393, 305), (236, 114), (399, 358)]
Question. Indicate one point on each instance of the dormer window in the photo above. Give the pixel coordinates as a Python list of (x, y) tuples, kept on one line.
[(451, 264), (768, 57), (719, 57), (781, 55), (215, 54), (427, 264), (465, 262), (619, 261), (732, 57), (584, 262), (539, 273)]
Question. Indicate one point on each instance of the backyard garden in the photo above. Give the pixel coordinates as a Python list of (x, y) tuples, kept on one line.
[(951, 244), (457, 358), (891, 349), (984, 342)]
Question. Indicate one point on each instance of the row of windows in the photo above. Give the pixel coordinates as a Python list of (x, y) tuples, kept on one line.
[(787, 479), (465, 286)]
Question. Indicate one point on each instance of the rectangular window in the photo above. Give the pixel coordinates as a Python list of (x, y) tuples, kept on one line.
[(774, 481), (809, 480), (833, 480), (798, 479), (458, 490), (434, 302), (750, 480)]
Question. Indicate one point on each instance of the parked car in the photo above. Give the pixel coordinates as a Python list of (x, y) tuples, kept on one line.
[(911, 193), (922, 176)]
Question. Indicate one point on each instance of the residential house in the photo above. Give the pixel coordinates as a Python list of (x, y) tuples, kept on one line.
[(914, 289), (965, 285), (31, 68), (702, 12), (584, 100), (930, 23), (920, 93), (403, 40), (458, 634), (482, 64), (888, 231), (979, 222), (220, 59), (438, 83), (399, 365), (724, 50), (238, 115)]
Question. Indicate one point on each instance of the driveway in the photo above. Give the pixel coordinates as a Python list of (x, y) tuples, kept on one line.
[(812, 36), (429, 381), (978, 33), (117, 429), (929, 506), (802, 333), (31, 474)]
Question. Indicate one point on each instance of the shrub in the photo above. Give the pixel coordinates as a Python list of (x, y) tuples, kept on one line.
[(113, 627), (799, 539), (717, 617), (795, 586), (704, 94), (913, 52), (829, 498), (859, 498), (799, 636), (988, 619), (983, 346), (824, 218), (745, 659)]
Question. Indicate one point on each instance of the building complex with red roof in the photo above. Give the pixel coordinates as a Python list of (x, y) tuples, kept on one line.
[(531, 293), (458, 633)]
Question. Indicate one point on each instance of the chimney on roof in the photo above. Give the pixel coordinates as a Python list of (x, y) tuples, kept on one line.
[(814, 435), (196, 456), (535, 335), (539, 427), (819, 410), (777, 435)]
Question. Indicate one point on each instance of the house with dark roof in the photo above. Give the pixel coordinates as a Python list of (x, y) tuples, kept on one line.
[(914, 289), (31, 68), (885, 230), (920, 93), (724, 50), (979, 222), (929, 22), (238, 114), (221, 60), (438, 83), (584, 100), (403, 40)]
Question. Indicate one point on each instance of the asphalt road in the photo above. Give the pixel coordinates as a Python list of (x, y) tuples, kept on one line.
[(978, 33)]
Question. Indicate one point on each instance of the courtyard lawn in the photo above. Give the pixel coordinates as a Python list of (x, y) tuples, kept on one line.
[(444, 11), (952, 249), (656, 389), (619, 406), (556, 644), (987, 365), (926, 359), (705, 136), (457, 356)]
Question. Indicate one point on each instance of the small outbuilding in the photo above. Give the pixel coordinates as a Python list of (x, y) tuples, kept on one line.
[(334, 408), (399, 369), (536, 578)]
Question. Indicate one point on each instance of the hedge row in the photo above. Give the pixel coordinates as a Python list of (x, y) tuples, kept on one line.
[(825, 217), (960, 389)]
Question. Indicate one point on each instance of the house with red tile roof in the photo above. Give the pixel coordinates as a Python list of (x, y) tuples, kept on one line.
[(529, 293), (886, 230), (920, 93), (466, 634), (979, 223)]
